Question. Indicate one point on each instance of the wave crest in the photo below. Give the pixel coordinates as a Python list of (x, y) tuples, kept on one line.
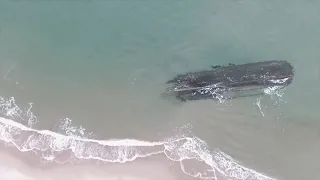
[(60, 148)]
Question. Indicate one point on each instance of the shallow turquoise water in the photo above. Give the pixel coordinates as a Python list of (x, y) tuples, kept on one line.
[(104, 63)]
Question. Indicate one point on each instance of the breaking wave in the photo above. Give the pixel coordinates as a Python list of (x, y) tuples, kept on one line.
[(59, 148)]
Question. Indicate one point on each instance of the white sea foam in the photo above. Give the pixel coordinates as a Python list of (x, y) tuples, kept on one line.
[(51, 146), (275, 92)]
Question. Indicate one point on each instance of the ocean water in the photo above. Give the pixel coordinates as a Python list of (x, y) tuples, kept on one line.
[(81, 81)]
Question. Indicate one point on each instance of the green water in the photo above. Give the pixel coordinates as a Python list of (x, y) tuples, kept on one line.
[(104, 63)]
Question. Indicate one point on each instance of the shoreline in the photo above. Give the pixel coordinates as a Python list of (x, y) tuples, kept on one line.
[(22, 166)]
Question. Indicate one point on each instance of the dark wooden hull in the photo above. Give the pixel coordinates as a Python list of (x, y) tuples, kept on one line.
[(231, 81)]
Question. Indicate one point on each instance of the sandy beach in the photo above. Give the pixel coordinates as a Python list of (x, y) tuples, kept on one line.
[(13, 168), (81, 84)]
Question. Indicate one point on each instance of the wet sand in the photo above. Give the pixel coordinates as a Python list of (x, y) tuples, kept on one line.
[(96, 61), (16, 168)]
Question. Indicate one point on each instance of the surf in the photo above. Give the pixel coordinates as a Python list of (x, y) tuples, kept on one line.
[(52, 147)]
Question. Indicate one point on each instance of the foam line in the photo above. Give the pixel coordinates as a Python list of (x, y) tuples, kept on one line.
[(59, 148), (123, 150)]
